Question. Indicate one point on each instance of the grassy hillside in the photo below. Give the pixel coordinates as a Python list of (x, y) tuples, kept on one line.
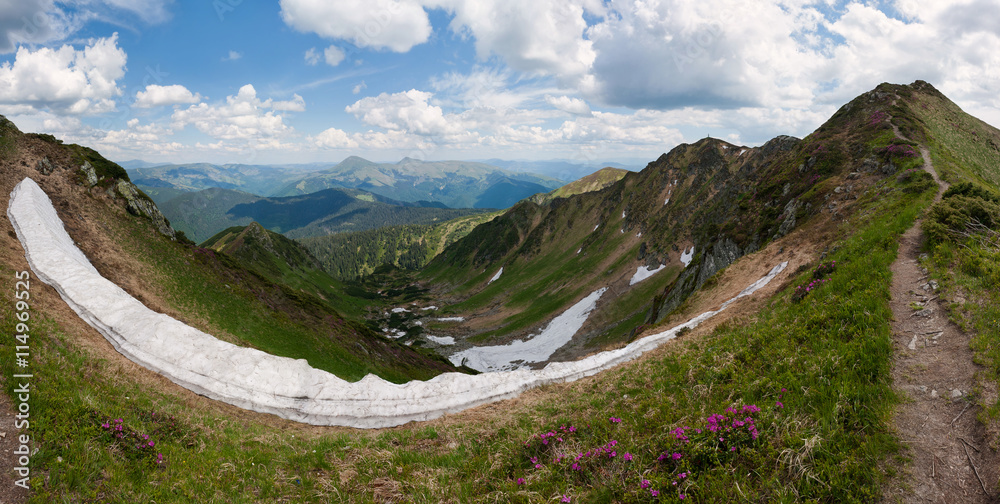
[(349, 255), (201, 214), (724, 200), (208, 290), (284, 262), (788, 403), (594, 182)]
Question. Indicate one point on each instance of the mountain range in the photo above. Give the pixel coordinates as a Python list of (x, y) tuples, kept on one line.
[(798, 392)]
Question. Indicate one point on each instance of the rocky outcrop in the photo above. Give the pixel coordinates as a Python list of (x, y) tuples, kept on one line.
[(791, 208), (723, 253), (140, 205), (44, 166), (89, 174)]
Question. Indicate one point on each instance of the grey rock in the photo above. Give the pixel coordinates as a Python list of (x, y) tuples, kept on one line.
[(138, 205), (44, 166), (934, 394), (789, 223), (89, 174), (955, 394)]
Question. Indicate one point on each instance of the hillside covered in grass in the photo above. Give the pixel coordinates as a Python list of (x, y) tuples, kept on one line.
[(786, 398), (351, 254)]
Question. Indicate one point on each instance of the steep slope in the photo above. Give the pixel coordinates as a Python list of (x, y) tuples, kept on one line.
[(799, 385), (352, 254), (457, 184), (201, 214), (282, 261), (594, 182), (130, 243), (505, 192), (686, 216), (348, 255)]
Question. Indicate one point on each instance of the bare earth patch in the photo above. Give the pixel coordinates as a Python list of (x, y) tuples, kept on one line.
[(951, 460)]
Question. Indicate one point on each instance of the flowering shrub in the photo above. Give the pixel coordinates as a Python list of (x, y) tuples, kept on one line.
[(819, 274), (898, 151), (689, 451), (824, 270), (130, 442), (877, 118), (694, 450)]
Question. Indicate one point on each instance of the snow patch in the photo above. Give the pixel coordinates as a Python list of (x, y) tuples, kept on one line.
[(430, 308), (687, 256), (623, 214), (639, 235), (536, 348), (595, 227), (495, 277), (451, 319), (579, 250), (285, 387), (643, 272), (441, 340), (394, 333), (400, 310), (665, 202)]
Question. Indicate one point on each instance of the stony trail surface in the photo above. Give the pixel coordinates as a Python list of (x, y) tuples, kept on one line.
[(934, 373)]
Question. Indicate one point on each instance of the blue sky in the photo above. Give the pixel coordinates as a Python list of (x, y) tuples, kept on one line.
[(295, 81)]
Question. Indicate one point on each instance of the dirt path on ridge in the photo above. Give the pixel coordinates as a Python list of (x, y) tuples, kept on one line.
[(934, 372)]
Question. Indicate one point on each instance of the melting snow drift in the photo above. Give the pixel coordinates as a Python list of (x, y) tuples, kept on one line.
[(643, 272), (537, 348), (686, 257), (257, 381), (495, 277), (441, 340)]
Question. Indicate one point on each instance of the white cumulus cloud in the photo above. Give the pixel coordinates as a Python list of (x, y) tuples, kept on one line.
[(334, 55), (406, 111), (312, 57), (156, 95), (64, 80), (535, 36), (242, 117), (571, 105), (397, 25)]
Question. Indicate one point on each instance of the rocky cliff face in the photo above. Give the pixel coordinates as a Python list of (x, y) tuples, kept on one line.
[(95, 173)]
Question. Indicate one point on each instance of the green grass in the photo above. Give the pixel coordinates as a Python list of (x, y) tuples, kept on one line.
[(831, 441), (224, 299)]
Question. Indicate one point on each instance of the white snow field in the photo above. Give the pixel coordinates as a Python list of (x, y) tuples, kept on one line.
[(496, 277), (451, 319), (537, 348), (441, 340), (257, 381), (643, 272), (687, 257)]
